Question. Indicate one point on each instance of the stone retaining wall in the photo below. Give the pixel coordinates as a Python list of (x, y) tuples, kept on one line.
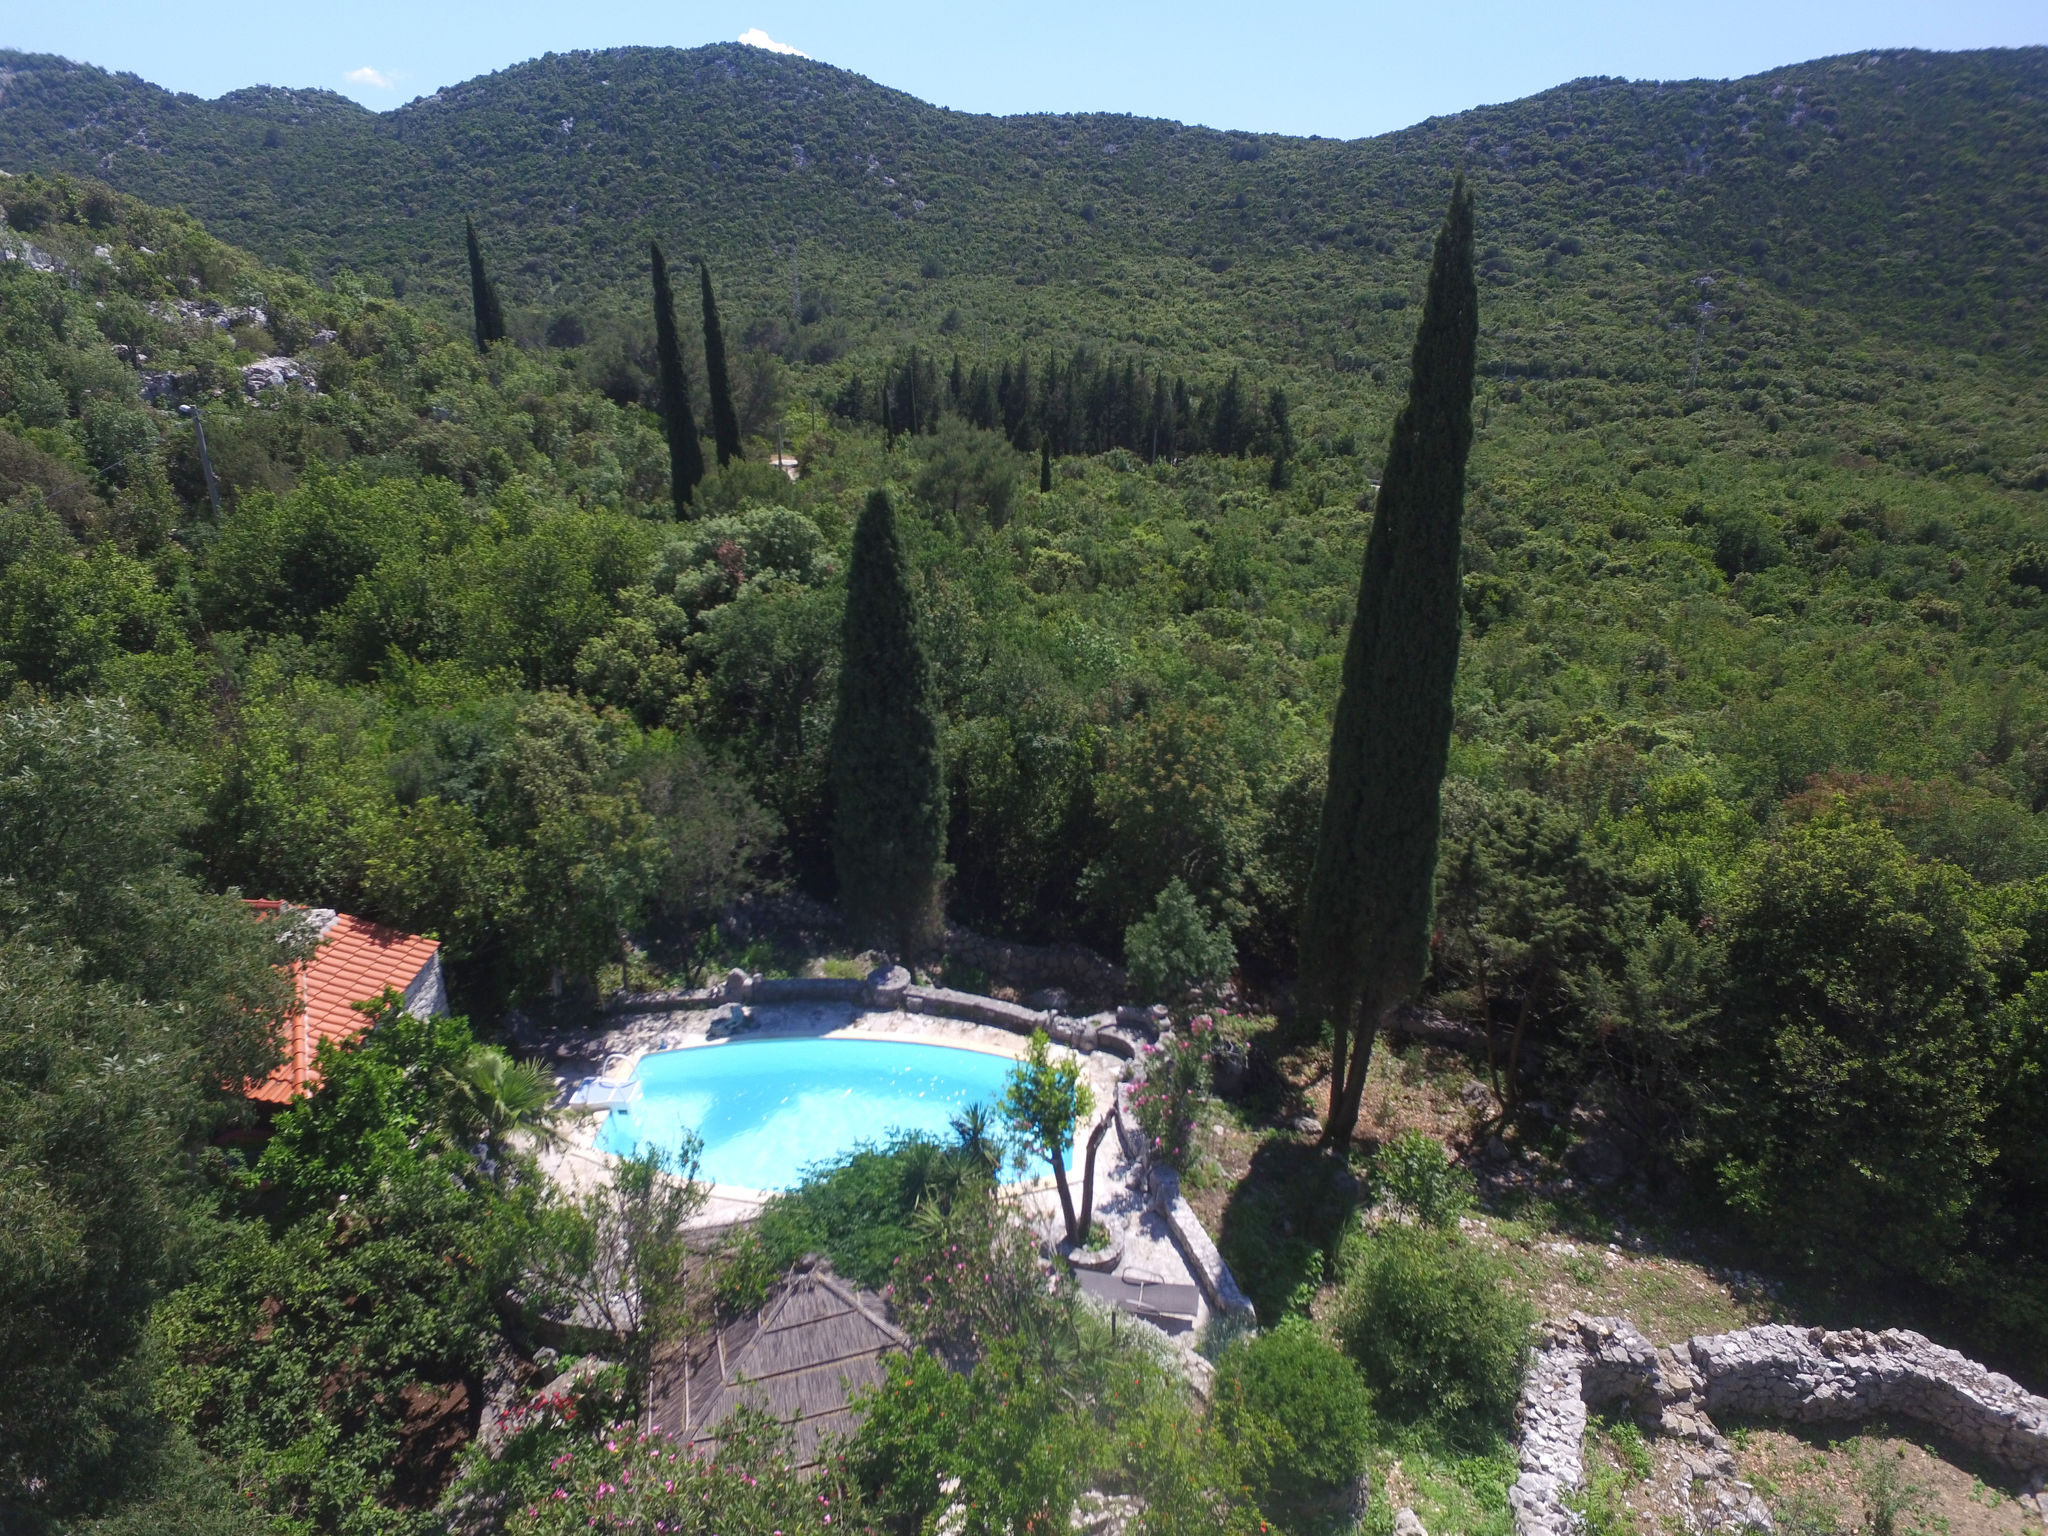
[(1807, 1375), (1219, 1286)]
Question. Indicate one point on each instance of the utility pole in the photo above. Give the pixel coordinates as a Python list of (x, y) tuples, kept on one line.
[(1705, 311), (205, 459)]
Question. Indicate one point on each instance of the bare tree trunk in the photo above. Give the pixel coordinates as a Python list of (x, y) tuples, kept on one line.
[(1345, 1096), (1514, 1093), (1059, 1173), (1088, 1182), (1340, 1040), (1486, 1019)]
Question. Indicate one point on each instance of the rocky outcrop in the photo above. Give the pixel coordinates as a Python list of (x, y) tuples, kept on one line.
[(200, 313), (274, 373), (1807, 1375), (1079, 972), (31, 256)]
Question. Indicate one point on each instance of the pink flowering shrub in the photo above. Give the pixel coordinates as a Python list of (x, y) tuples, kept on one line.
[(1176, 1077), (652, 1484), (974, 1273)]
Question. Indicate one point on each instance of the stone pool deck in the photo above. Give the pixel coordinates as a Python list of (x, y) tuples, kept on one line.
[(1124, 1200)]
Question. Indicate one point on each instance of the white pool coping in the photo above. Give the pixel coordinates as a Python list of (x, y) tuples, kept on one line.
[(577, 1161)]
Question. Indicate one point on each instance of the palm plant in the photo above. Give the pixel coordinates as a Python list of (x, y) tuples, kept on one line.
[(977, 1140), (502, 1095)]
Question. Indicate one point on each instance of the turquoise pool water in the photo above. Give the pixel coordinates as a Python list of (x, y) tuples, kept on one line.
[(767, 1109)]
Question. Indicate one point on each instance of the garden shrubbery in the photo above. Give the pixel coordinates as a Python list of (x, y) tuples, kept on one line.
[(1433, 1328), (1165, 1100), (1174, 949), (1300, 1418), (859, 1212), (1413, 1175)]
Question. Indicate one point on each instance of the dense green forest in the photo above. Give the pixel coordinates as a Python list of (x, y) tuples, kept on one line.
[(1745, 859)]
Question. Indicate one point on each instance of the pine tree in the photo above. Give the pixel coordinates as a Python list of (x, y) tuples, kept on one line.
[(725, 421), (685, 453), (1365, 921), (889, 817), (1044, 465), (483, 296)]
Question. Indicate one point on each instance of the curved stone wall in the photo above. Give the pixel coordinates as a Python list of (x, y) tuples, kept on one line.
[(1807, 1375)]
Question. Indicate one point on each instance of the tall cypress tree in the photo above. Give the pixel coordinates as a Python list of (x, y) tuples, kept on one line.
[(483, 296), (1226, 418), (889, 795), (1365, 922), (725, 422), (1283, 440), (685, 453)]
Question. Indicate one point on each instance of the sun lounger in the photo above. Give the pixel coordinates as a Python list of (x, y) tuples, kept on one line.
[(605, 1093), (1141, 1296)]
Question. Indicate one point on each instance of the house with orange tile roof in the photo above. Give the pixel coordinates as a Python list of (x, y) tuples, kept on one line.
[(356, 961)]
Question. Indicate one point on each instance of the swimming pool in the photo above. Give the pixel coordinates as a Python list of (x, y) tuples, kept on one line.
[(769, 1108)]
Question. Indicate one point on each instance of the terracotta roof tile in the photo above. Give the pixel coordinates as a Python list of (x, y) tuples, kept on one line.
[(356, 961)]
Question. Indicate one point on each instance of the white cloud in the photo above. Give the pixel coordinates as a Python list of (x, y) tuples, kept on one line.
[(754, 37), (374, 79)]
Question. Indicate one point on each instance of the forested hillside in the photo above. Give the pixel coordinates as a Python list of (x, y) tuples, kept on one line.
[(1904, 189), (1746, 843)]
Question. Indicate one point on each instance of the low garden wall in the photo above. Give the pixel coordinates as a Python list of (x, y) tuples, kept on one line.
[(1806, 1375), (1219, 1285)]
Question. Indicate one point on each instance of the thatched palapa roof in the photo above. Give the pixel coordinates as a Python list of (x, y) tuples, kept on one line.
[(814, 1344)]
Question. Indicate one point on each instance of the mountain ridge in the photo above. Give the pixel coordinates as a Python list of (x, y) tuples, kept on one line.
[(1915, 183)]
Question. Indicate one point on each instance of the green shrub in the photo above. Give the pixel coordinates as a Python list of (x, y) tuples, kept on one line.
[(635, 1480), (1299, 1416), (858, 1211), (1846, 1088), (1173, 948), (1413, 1174), (1430, 1323)]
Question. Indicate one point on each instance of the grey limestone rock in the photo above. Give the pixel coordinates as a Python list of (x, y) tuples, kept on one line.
[(1807, 1375), (273, 373)]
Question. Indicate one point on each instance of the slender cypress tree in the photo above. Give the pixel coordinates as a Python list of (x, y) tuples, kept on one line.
[(1283, 440), (685, 453), (1226, 419), (725, 422), (889, 795), (1365, 922), (483, 296)]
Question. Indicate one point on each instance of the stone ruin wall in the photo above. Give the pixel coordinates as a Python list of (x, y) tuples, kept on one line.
[(1806, 1375)]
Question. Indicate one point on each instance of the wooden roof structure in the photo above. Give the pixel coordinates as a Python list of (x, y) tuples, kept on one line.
[(816, 1342)]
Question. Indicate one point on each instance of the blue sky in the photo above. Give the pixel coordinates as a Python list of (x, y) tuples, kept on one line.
[(1341, 70)]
